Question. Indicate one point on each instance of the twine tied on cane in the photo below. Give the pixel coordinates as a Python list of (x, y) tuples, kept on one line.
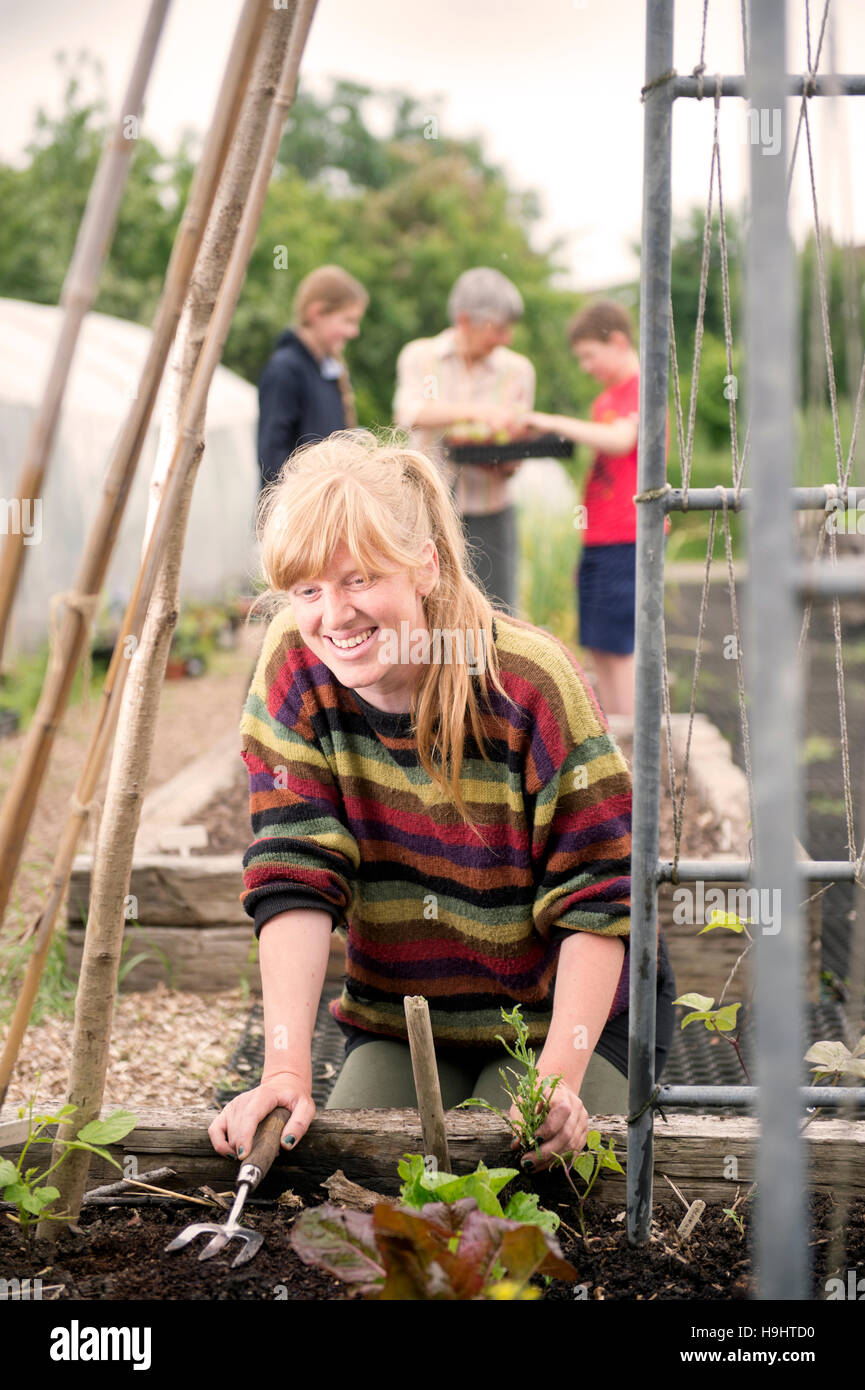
[(86, 605)]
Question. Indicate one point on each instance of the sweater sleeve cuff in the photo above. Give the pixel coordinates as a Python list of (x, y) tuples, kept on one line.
[(275, 903)]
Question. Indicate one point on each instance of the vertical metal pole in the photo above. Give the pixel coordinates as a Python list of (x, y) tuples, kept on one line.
[(652, 454), (771, 338)]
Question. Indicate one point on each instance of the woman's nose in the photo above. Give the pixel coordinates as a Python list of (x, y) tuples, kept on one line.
[(337, 610)]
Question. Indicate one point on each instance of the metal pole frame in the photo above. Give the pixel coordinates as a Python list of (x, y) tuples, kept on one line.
[(649, 649), (773, 590), (780, 1254)]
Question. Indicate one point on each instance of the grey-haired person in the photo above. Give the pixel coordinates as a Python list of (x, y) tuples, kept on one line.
[(467, 374)]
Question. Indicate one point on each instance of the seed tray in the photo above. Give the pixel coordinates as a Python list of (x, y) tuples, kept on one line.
[(489, 455)]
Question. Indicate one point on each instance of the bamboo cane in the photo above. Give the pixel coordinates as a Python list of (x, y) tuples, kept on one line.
[(17, 808), (95, 236), (244, 188), (20, 800)]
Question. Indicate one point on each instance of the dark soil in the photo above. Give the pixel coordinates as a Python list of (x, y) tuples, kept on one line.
[(227, 820), (118, 1253)]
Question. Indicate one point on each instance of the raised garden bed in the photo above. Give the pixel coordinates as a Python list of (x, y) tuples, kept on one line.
[(117, 1249), (118, 1253)]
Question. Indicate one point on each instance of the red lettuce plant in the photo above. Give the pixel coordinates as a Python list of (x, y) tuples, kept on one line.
[(445, 1251)]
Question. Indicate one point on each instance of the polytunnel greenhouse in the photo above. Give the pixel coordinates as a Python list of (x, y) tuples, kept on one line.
[(219, 552)]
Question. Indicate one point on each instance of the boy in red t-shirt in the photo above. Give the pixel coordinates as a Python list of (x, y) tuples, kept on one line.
[(601, 338)]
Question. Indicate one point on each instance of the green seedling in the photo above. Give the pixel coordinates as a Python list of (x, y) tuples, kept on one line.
[(530, 1093), (27, 1188), (716, 1020), (726, 919), (835, 1060), (587, 1165), (420, 1187), (831, 1061), (731, 1213), (721, 1021)]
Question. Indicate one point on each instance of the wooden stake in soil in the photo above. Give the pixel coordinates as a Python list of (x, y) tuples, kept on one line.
[(426, 1080), (218, 280)]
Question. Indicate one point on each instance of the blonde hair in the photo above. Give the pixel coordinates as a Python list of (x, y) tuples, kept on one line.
[(385, 502), (333, 288)]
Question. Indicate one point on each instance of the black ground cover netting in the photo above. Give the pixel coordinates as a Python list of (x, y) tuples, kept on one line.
[(825, 828), (697, 1057)]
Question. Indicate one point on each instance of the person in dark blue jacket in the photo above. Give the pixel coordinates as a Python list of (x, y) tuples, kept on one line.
[(304, 392)]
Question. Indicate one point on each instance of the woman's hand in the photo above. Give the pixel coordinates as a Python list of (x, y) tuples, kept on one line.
[(563, 1131), (233, 1131)]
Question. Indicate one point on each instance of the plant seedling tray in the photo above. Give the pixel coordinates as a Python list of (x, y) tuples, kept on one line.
[(541, 447)]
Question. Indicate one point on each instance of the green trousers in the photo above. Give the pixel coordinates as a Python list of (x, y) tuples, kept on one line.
[(378, 1075)]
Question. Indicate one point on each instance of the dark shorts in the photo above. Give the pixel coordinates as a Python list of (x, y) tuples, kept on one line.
[(606, 589)]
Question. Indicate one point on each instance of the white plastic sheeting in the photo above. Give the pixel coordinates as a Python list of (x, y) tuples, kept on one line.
[(220, 549)]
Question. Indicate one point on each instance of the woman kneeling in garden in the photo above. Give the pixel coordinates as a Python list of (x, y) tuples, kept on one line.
[(437, 779)]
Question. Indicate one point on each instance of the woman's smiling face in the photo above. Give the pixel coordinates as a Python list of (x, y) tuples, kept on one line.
[(343, 618)]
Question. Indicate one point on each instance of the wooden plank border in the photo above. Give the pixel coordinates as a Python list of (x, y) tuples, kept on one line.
[(705, 1155)]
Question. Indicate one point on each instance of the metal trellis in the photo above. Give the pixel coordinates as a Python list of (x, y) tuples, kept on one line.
[(774, 589)]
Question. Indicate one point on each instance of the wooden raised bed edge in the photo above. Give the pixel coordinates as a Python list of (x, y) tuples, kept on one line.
[(692, 1150)]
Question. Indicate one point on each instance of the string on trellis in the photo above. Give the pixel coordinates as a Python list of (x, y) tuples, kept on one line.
[(686, 439)]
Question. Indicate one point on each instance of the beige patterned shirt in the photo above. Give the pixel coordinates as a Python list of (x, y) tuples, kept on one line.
[(430, 369)]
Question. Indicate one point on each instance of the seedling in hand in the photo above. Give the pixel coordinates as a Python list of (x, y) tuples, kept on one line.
[(530, 1093)]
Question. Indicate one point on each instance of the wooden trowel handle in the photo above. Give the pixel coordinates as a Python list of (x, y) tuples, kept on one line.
[(266, 1143)]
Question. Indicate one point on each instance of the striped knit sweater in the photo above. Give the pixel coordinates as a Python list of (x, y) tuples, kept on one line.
[(346, 820)]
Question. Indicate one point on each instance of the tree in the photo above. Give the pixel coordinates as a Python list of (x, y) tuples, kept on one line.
[(44, 202), (405, 211)]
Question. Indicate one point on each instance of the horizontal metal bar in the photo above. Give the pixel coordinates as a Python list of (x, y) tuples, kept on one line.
[(825, 580), (733, 85), (744, 1097), (804, 499), (740, 870)]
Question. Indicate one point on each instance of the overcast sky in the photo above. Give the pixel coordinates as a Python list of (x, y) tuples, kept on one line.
[(552, 86)]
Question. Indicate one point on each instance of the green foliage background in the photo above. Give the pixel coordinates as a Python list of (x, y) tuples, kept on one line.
[(406, 211)]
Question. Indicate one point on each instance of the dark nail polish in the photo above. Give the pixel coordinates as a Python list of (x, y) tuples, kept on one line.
[(289, 1140), (241, 1151), (528, 1165)]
